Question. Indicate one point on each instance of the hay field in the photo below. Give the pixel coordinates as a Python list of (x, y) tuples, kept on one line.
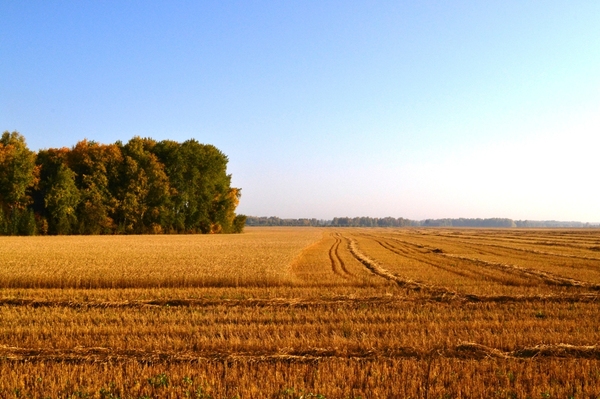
[(303, 312)]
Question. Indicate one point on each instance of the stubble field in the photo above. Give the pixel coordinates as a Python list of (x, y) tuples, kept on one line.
[(303, 312)]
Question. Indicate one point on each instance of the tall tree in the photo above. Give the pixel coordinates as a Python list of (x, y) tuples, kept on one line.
[(61, 201), (18, 174), (145, 190), (202, 197), (97, 170)]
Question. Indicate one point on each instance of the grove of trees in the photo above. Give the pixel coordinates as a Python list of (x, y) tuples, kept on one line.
[(140, 187)]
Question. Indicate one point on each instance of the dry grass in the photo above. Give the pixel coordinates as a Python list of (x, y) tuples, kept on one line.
[(331, 378), (260, 257), (291, 313), (476, 265)]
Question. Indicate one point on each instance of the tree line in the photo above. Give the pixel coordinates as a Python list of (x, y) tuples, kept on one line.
[(140, 187), (365, 221)]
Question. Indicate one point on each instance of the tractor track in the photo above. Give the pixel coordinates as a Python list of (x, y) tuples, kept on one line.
[(524, 272), (377, 269), (584, 243), (337, 263), (469, 273), (421, 259), (476, 245), (519, 271), (441, 292), (546, 277)]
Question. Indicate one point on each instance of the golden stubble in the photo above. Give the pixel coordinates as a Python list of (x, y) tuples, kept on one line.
[(302, 312)]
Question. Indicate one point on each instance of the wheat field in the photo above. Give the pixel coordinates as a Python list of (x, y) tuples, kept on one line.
[(301, 313)]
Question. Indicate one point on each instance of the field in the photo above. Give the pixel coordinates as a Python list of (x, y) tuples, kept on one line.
[(301, 313)]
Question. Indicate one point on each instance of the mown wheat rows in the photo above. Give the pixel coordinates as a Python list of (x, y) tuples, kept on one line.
[(290, 313)]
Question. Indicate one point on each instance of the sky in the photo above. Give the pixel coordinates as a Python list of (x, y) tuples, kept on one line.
[(415, 109)]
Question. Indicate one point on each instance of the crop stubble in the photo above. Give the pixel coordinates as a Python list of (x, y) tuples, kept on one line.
[(290, 312)]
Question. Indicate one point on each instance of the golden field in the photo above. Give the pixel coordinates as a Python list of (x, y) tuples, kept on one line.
[(303, 312)]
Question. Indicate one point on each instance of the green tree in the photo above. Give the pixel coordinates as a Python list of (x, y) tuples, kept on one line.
[(18, 174), (144, 191), (61, 201), (96, 167), (202, 197), (169, 153)]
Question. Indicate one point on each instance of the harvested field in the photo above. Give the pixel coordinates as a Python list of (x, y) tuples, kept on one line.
[(303, 312), (91, 262)]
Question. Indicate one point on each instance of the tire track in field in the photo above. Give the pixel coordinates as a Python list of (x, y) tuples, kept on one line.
[(496, 250), (337, 263), (574, 242), (468, 273), (473, 275), (485, 243), (523, 272), (379, 270), (546, 277), (475, 245), (437, 291), (463, 350)]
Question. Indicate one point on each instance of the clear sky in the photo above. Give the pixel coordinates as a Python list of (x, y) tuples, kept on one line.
[(416, 109)]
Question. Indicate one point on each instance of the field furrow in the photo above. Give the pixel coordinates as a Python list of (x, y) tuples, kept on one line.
[(380, 271), (545, 277), (433, 257), (583, 246), (337, 263), (552, 270), (426, 265)]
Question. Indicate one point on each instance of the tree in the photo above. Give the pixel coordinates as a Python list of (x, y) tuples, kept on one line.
[(96, 167), (61, 201), (145, 192), (202, 197), (18, 174)]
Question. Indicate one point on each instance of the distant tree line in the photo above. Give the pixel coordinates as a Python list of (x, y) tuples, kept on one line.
[(402, 222), (553, 224), (500, 222), (462, 222), (275, 221), (337, 222), (140, 187), (370, 222)]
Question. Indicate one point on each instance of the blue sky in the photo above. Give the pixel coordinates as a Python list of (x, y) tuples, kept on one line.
[(424, 109)]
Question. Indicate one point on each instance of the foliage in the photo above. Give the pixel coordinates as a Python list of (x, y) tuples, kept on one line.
[(18, 174), (139, 187)]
